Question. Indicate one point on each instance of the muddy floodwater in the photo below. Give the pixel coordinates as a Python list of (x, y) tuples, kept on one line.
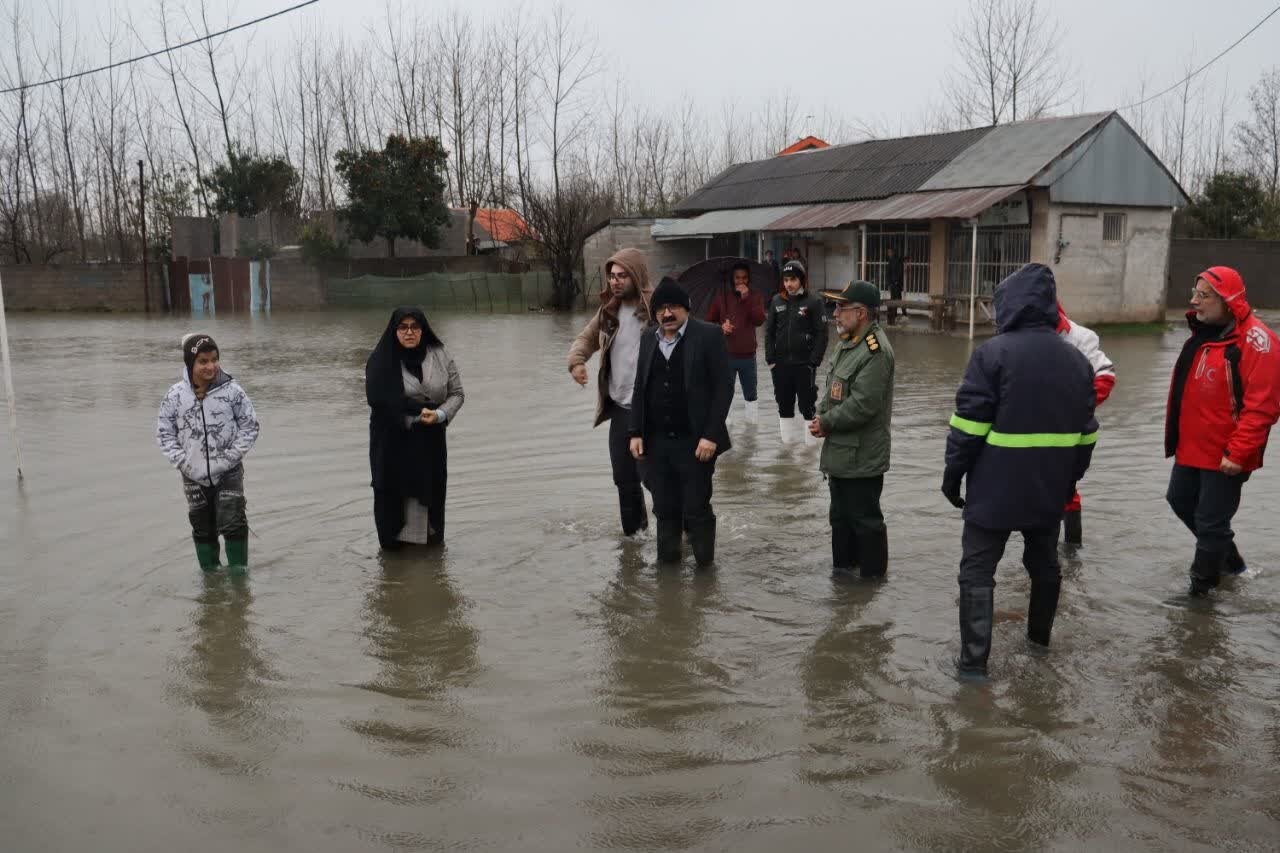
[(539, 684)]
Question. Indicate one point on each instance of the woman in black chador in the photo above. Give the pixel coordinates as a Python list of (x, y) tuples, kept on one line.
[(414, 391)]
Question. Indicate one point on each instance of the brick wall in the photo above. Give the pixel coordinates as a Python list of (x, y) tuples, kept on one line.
[(81, 287), (1257, 261)]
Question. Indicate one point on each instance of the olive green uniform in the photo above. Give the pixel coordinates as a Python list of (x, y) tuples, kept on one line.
[(854, 413)]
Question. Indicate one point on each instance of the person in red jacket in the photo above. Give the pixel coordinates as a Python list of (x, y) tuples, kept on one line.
[(1104, 379), (739, 313), (1223, 401)]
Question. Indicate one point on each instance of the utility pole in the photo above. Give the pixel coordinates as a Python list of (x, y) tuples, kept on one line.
[(142, 215)]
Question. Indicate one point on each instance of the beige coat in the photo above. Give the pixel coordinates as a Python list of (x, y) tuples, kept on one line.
[(598, 334)]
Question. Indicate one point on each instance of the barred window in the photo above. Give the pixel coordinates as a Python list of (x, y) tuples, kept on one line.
[(1112, 227)]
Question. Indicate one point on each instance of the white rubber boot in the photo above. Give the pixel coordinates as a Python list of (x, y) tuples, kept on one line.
[(786, 430), (753, 412)]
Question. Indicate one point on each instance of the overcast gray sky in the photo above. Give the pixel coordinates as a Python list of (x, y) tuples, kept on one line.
[(878, 62)]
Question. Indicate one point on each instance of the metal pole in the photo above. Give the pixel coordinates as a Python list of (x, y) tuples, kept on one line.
[(8, 385), (142, 215), (973, 275), (862, 254)]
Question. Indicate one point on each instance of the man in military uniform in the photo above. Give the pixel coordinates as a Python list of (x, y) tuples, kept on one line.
[(853, 419)]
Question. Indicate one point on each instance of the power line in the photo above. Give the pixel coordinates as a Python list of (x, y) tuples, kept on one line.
[(159, 52), (1207, 64)]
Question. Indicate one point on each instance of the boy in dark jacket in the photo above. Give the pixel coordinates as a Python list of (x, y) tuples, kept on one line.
[(795, 342), (1023, 435)]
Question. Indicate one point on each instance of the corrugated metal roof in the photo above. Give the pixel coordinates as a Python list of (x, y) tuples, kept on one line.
[(944, 204), (717, 222), (874, 169), (1013, 153)]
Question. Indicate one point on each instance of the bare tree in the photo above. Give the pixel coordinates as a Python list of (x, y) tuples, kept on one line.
[(1259, 135), (1010, 65)]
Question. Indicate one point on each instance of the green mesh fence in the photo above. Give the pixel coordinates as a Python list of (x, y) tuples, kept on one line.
[(497, 292)]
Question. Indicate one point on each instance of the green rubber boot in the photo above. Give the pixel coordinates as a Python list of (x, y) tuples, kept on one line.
[(237, 556), (207, 554)]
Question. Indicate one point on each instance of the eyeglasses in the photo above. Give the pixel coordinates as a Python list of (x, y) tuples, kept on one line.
[(619, 276), (409, 330), (1201, 295)]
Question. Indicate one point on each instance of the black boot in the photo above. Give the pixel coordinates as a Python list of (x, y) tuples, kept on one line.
[(1235, 562), (702, 539), (635, 517), (1072, 528), (1205, 570), (669, 536), (873, 558), (1041, 610), (844, 551), (977, 606)]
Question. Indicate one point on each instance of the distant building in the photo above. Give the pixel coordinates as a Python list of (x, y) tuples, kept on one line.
[(809, 143), (1082, 194)]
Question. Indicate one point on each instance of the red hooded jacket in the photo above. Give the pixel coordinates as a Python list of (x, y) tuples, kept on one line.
[(1225, 393)]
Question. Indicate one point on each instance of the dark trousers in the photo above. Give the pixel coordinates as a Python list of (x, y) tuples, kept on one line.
[(895, 292), (983, 548), (795, 384), (217, 509), (855, 516), (1206, 501), (745, 370), (626, 472), (388, 517), (679, 483)]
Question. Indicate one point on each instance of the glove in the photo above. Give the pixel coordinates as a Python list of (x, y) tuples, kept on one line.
[(951, 488)]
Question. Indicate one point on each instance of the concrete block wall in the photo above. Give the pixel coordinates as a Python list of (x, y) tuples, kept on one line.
[(1257, 261), (1114, 282), (81, 287), (668, 257)]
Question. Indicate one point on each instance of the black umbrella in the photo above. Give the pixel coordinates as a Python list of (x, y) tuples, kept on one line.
[(706, 279)]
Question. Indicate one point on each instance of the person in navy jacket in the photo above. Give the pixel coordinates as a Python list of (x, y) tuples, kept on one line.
[(1023, 435)]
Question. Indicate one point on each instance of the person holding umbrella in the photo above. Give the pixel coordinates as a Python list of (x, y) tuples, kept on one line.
[(738, 313)]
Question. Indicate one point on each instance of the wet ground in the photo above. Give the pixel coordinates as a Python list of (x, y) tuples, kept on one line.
[(539, 685)]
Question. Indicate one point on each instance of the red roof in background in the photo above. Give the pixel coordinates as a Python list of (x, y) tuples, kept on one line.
[(503, 224), (809, 143)]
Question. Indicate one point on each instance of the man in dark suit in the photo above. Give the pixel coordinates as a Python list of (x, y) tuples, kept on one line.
[(678, 409)]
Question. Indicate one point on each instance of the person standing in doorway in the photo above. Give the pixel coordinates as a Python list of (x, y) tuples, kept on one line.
[(681, 399), (738, 313), (1022, 434), (1223, 401), (853, 421), (771, 261), (795, 342), (895, 273), (615, 333)]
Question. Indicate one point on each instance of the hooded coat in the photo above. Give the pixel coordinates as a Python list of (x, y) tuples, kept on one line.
[(408, 459), (599, 333), (1225, 393), (1086, 340), (1024, 428), (205, 439)]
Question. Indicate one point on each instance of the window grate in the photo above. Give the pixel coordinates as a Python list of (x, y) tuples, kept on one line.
[(1112, 227)]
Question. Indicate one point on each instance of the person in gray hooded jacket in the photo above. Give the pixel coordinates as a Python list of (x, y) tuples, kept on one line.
[(206, 426)]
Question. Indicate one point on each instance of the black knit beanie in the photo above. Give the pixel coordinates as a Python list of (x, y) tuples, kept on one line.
[(669, 292), (194, 344)]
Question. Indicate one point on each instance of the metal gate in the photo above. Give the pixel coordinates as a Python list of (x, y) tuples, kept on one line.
[(1002, 250), (909, 240)]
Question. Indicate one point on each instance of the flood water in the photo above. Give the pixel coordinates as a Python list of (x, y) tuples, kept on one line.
[(539, 684)]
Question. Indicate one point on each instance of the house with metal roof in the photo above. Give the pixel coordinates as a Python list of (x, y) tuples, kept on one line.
[(1082, 194)]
